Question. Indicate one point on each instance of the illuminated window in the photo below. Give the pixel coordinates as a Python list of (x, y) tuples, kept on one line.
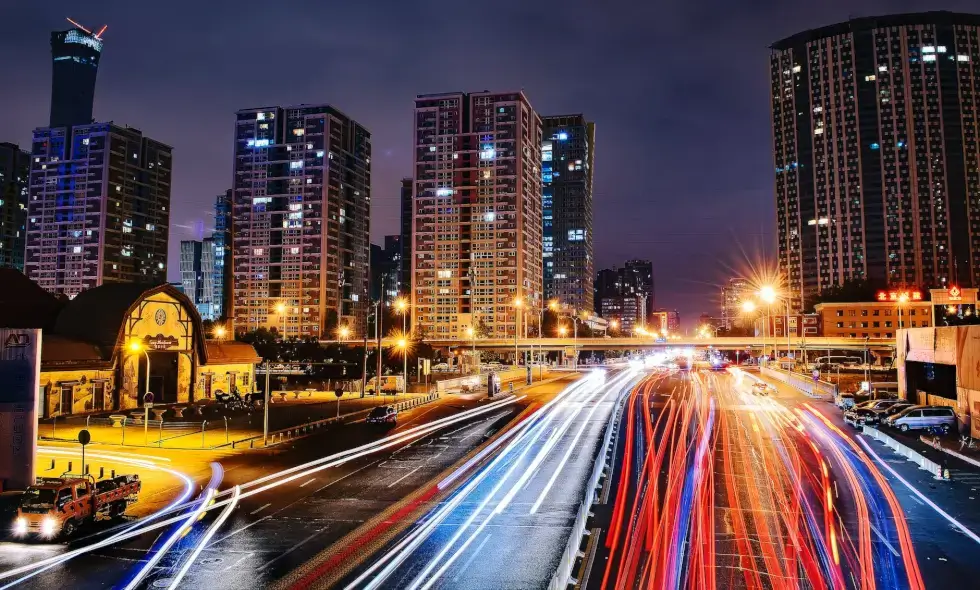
[(299, 132), (562, 136), (929, 49), (296, 165), (576, 235), (258, 251), (962, 57), (930, 57), (77, 250)]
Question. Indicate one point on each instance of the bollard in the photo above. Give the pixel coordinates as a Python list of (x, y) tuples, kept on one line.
[(85, 470), (86, 421), (52, 465), (203, 426), (160, 438), (69, 467), (226, 428), (112, 474), (123, 443), (101, 472), (251, 444)]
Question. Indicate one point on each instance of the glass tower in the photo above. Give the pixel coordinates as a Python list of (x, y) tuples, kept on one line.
[(75, 55)]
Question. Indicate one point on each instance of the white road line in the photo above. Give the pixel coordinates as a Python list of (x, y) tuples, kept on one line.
[(404, 476), (244, 557), (260, 508), (290, 550), (303, 485), (472, 557), (885, 541)]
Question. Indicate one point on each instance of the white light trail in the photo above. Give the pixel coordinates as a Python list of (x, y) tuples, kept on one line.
[(206, 538)]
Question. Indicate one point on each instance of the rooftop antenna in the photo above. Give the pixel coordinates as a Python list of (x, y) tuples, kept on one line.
[(102, 30)]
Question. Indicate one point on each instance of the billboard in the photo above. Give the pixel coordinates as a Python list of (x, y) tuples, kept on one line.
[(20, 370)]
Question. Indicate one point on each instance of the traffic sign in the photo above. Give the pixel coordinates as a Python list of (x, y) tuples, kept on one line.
[(148, 399), (84, 437)]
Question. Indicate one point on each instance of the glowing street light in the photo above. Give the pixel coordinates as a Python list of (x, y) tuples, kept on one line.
[(768, 294), (220, 332), (563, 331), (280, 307), (136, 346), (343, 333), (748, 306)]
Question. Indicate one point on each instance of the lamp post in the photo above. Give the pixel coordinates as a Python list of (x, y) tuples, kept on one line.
[(519, 306), (403, 345), (281, 310), (343, 332), (748, 307), (137, 346), (402, 307), (471, 332)]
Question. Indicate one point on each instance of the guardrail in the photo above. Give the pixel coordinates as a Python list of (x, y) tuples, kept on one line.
[(905, 451), (286, 434), (563, 574), (801, 382)]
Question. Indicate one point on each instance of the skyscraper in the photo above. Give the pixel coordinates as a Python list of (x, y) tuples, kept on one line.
[(198, 273), (733, 293), (99, 208), (567, 156), (477, 213), (221, 281), (875, 128), (300, 209), (405, 259), (384, 270), (15, 170), (75, 54)]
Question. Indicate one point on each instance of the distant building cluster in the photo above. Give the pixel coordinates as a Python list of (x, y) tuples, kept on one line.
[(626, 294)]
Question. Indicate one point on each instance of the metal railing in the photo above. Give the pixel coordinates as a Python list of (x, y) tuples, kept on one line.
[(563, 574), (801, 382)]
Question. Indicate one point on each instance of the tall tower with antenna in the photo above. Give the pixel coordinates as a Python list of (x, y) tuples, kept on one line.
[(75, 55)]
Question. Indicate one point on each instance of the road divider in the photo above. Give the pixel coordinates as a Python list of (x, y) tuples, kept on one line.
[(908, 452)]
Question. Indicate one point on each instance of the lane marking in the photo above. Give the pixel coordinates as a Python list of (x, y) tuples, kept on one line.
[(260, 508), (884, 540), (404, 476), (290, 550), (303, 485), (472, 557), (244, 557)]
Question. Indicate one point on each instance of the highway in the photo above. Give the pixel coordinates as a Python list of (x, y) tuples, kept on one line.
[(293, 505), (507, 523)]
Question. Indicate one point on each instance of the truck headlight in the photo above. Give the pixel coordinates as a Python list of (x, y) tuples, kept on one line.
[(20, 526), (48, 526)]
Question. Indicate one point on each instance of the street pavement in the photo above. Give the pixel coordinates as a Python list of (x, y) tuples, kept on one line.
[(508, 522), (272, 532)]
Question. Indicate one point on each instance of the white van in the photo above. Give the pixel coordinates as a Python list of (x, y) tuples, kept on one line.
[(920, 417)]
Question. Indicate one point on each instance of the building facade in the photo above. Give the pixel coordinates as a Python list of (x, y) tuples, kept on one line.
[(875, 128), (567, 158), (625, 309), (99, 208), (75, 57), (198, 274), (221, 238), (15, 170), (633, 281), (405, 237), (733, 294), (385, 266), (300, 209), (871, 319), (476, 246)]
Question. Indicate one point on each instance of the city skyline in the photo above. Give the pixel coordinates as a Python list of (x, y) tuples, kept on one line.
[(208, 85)]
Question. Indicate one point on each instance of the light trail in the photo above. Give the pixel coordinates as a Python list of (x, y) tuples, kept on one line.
[(206, 538), (187, 524), (297, 472)]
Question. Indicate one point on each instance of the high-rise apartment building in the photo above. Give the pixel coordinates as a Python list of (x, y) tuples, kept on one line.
[(629, 291), (733, 293), (221, 281), (198, 273), (875, 130), (75, 54), (477, 227), (15, 169), (385, 266), (567, 157), (99, 208), (405, 237), (300, 209)]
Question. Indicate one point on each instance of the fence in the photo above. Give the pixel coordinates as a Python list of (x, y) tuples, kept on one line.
[(563, 575), (286, 434), (140, 432), (905, 451), (804, 383)]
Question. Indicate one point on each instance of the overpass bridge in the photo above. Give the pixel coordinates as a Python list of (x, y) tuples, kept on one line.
[(750, 343)]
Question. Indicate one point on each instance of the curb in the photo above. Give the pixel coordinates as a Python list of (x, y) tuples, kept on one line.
[(951, 452), (904, 450)]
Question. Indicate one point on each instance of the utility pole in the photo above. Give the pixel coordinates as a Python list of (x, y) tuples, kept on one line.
[(367, 314), (378, 328), (265, 408)]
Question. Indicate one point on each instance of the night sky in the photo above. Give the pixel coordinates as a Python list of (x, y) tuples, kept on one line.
[(679, 92)]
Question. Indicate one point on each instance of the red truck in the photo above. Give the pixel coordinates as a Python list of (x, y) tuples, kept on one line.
[(57, 506)]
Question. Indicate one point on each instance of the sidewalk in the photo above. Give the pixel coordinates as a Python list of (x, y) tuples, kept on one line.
[(209, 434)]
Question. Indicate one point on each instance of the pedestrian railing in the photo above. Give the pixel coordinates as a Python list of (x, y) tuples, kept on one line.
[(801, 382)]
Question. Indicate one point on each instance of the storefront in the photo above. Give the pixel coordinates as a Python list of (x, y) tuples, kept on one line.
[(111, 345)]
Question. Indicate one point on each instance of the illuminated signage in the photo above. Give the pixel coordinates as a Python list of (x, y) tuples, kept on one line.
[(899, 296), (955, 294), (161, 342)]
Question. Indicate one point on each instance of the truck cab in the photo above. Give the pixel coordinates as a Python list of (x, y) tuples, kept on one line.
[(57, 506)]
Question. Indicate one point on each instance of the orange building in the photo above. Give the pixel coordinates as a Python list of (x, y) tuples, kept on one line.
[(872, 319)]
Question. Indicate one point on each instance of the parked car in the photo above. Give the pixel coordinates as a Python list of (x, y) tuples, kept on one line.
[(891, 410), (382, 415), (867, 412), (439, 367), (921, 417)]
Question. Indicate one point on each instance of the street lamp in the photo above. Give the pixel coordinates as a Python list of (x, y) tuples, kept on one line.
[(219, 332), (562, 331), (401, 306), (471, 332), (903, 298), (281, 310), (519, 305), (343, 332)]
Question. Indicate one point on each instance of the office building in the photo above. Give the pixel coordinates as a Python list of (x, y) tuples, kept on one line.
[(300, 209), (567, 157), (221, 276), (733, 294), (627, 310), (198, 273), (477, 213), (385, 266), (875, 128), (665, 319), (75, 57), (15, 169), (405, 238), (634, 280), (99, 208)]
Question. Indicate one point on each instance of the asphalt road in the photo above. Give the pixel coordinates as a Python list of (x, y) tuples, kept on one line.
[(508, 522), (272, 532), (715, 486)]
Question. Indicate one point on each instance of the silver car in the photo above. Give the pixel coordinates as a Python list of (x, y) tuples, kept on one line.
[(921, 417)]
